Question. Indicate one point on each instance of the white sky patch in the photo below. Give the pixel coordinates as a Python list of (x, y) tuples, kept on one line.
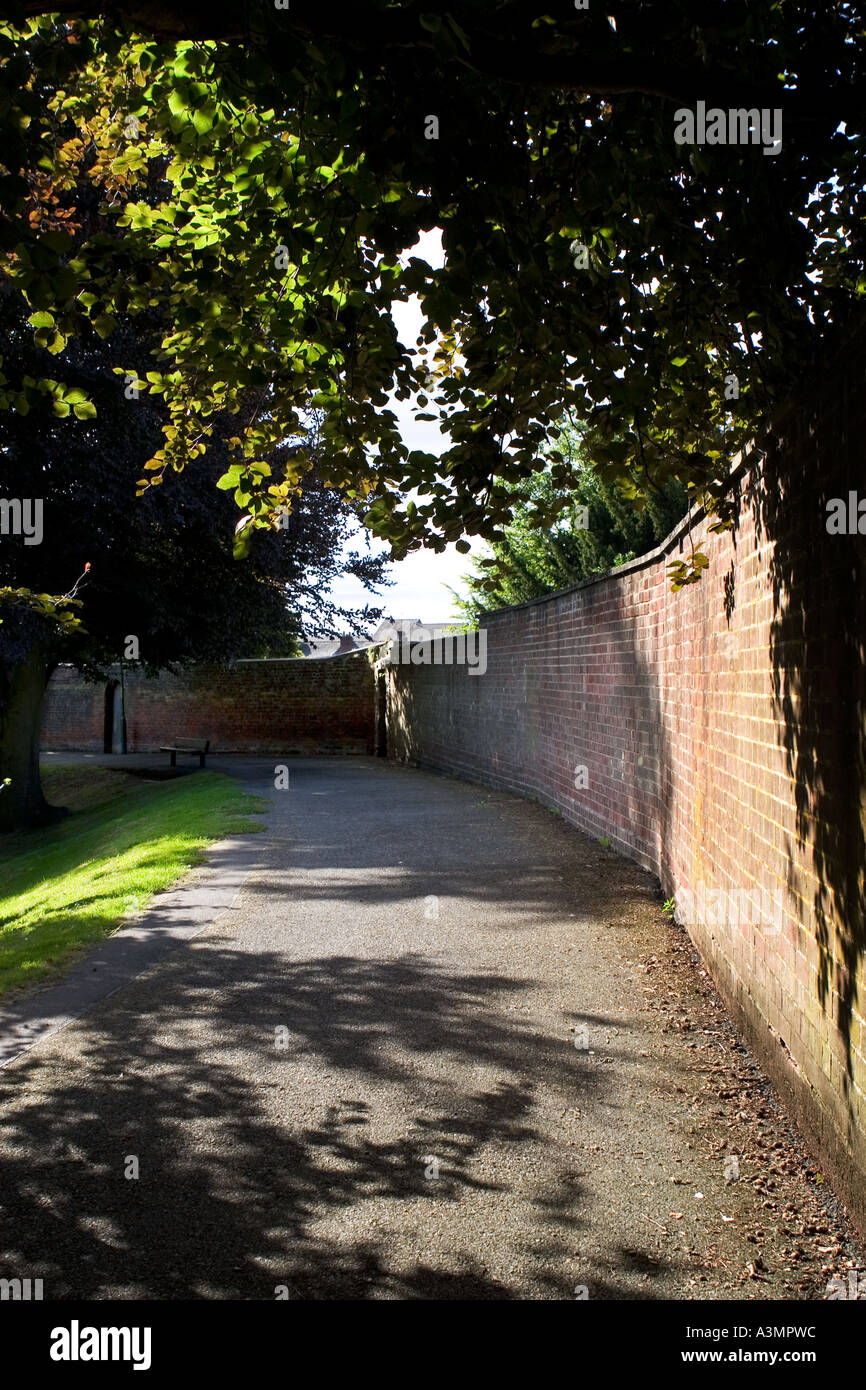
[(419, 591)]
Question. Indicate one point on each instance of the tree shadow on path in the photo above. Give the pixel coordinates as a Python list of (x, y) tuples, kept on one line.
[(181, 1070)]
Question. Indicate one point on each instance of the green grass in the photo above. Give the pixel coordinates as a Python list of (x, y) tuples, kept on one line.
[(76, 881)]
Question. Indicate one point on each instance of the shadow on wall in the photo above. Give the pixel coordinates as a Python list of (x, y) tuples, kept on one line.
[(817, 650), (727, 729)]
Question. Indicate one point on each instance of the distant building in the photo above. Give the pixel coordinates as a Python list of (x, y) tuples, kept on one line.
[(413, 628), (332, 646)]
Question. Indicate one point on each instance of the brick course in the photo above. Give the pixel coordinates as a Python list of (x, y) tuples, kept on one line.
[(724, 733), (299, 705)]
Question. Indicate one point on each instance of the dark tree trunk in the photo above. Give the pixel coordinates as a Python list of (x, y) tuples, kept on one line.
[(25, 660)]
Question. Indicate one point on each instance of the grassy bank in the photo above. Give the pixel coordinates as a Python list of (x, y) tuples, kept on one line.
[(66, 886)]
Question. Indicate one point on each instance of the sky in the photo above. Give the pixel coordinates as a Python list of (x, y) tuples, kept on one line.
[(419, 589)]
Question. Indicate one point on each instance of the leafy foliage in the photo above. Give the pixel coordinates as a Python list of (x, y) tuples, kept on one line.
[(160, 567), (268, 167), (557, 538)]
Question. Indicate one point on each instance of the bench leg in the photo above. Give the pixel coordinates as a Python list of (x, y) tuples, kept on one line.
[(201, 759), (174, 760)]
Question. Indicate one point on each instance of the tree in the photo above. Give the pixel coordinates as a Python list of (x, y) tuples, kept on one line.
[(555, 539), (154, 577), (668, 296)]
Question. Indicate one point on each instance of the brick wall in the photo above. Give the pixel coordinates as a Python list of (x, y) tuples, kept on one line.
[(292, 706), (722, 730), (74, 714)]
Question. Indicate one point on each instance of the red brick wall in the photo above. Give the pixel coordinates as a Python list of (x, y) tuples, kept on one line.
[(722, 729), (74, 714), (293, 706)]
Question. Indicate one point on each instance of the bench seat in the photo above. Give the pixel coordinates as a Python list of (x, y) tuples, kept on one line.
[(187, 745)]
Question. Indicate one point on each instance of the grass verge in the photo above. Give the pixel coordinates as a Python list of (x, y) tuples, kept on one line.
[(74, 882)]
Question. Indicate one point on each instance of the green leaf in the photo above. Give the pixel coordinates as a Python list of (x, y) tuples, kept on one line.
[(461, 34), (230, 479), (203, 119), (65, 284), (57, 241)]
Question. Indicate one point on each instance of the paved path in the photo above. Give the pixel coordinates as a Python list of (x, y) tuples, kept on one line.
[(361, 1081)]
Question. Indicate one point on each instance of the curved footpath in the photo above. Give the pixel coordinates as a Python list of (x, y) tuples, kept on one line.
[(421, 1040)]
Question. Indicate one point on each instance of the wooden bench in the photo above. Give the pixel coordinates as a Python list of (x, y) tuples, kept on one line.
[(187, 745)]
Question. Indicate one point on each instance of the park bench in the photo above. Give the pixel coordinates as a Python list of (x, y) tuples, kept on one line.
[(187, 745)]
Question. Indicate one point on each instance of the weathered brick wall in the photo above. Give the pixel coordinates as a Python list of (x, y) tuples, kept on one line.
[(291, 706), (722, 729), (74, 714)]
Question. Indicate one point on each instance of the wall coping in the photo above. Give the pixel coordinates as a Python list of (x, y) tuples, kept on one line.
[(239, 661), (287, 660)]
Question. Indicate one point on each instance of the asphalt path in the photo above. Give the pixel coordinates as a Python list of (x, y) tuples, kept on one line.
[(401, 1046)]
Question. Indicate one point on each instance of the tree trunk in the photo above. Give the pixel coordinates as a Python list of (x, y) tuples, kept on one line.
[(25, 658)]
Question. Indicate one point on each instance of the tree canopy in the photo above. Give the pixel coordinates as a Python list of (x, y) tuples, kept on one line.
[(95, 574), (268, 166), (160, 567), (595, 529)]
